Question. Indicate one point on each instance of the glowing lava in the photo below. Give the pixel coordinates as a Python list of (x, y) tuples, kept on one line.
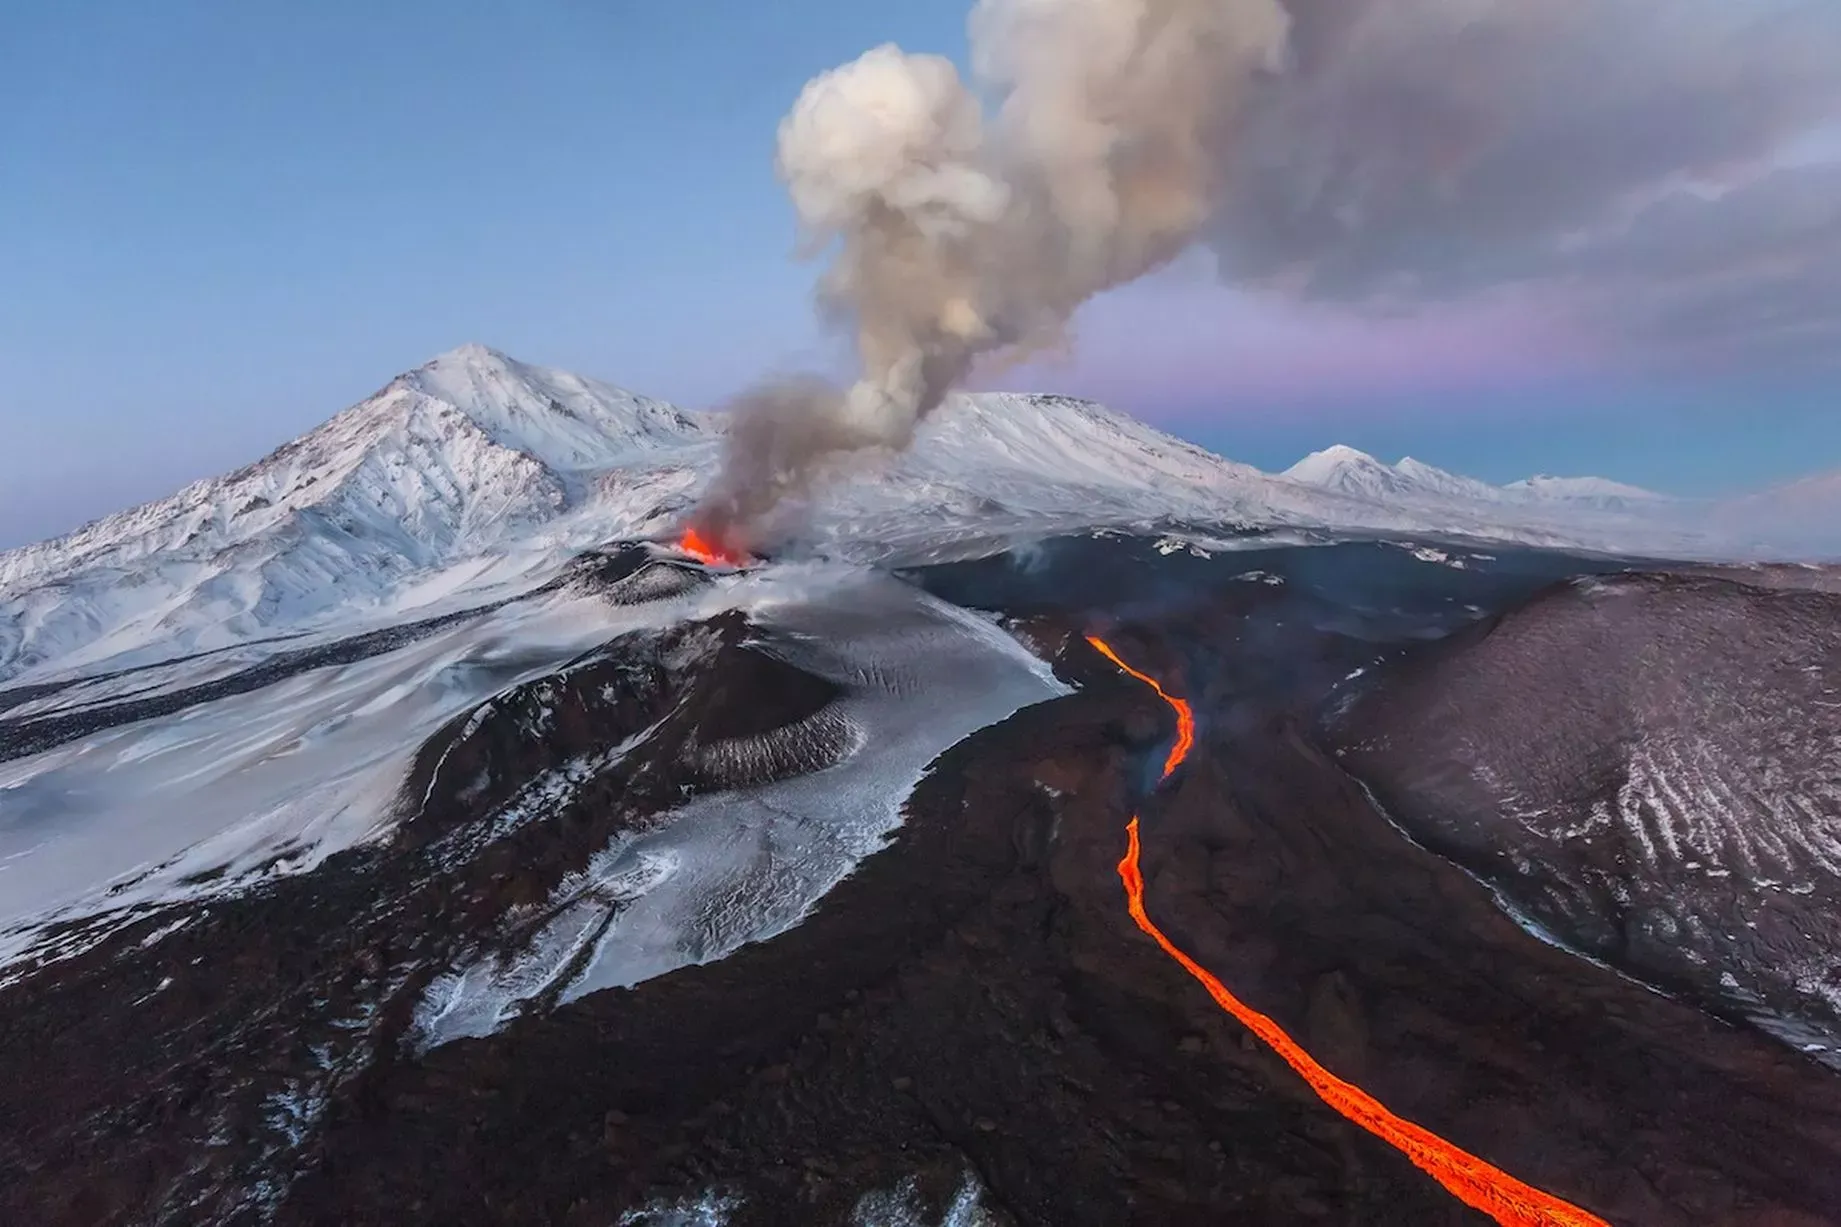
[(708, 552), (1185, 717), (1469, 1179)]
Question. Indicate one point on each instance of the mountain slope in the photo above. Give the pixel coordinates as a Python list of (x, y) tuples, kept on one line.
[(991, 466), (1645, 766), (1805, 514), (445, 463), (476, 475), (443, 452), (997, 460)]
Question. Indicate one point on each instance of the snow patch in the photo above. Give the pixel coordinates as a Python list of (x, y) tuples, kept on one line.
[(741, 866), (710, 1210)]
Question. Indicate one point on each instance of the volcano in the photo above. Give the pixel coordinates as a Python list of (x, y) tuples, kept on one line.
[(1144, 848), (476, 476), (694, 543)]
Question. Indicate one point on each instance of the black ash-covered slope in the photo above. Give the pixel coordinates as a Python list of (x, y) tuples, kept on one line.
[(1648, 767), (970, 1016)]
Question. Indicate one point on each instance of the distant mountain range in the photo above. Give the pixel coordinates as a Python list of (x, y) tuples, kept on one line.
[(1348, 471), (476, 475)]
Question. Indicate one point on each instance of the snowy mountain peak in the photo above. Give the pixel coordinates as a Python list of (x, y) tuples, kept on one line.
[(1347, 470), (454, 460), (473, 351), (1443, 482), (1591, 491), (563, 420), (1334, 457)]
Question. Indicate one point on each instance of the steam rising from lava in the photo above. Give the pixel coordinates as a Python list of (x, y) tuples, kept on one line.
[(954, 235)]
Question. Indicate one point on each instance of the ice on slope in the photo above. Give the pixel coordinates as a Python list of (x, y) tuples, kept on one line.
[(735, 867), (566, 422), (994, 469), (268, 782)]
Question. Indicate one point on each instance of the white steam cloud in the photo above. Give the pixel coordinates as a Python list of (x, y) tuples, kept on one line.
[(956, 235)]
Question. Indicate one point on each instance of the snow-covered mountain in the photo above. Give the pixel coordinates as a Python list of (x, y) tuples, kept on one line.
[(1349, 471), (471, 447), (1804, 514), (450, 463), (476, 475), (1594, 492), (1797, 520)]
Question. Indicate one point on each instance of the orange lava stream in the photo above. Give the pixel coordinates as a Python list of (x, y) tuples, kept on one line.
[(706, 551), (1469, 1179), (1185, 718)]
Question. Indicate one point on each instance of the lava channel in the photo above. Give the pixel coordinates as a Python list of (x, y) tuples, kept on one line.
[(1472, 1181)]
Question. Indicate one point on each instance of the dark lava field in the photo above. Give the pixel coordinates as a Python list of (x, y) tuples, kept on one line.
[(1541, 852)]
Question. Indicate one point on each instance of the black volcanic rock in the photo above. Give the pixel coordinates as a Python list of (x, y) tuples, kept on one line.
[(723, 695), (970, 1014), (975, 1000), (1649, 768), (232, 1027)]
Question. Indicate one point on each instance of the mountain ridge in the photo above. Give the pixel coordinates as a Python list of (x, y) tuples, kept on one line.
[(475, 470), (1348, 469), (450, 461)]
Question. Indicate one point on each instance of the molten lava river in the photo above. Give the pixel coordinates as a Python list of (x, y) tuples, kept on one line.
[(1471, 1180)]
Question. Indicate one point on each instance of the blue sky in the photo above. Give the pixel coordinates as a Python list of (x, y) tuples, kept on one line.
[(224, 221)]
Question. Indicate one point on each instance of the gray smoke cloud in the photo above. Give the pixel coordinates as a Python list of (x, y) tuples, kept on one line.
[(1623, 157), (1746, 280), (1381, 154), (955, 235)]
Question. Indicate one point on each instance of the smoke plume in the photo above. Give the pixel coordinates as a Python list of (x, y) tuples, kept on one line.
[(1623, 159), (954, 234)]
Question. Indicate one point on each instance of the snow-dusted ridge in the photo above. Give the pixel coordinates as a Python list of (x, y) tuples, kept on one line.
[(447, 479), (1346, 470), (477, 475)]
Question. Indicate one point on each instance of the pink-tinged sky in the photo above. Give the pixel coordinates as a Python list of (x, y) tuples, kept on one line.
[(1181, 344)]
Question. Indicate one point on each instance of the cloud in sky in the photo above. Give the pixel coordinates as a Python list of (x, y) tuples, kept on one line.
[(1663, 168), (1752, 275), (1181, 344)]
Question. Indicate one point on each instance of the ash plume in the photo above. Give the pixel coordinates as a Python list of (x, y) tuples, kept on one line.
[(1620, 160), (954, 235)]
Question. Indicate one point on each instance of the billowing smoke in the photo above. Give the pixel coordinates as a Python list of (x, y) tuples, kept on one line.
[(954, 235), (1625, 158)]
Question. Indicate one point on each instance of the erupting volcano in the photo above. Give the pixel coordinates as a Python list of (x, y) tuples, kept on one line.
[(1468, 1178), (707, 551)]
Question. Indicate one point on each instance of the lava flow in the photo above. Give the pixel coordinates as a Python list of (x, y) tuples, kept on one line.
[(1185, 717), (707, 551), (1471, 1180)]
